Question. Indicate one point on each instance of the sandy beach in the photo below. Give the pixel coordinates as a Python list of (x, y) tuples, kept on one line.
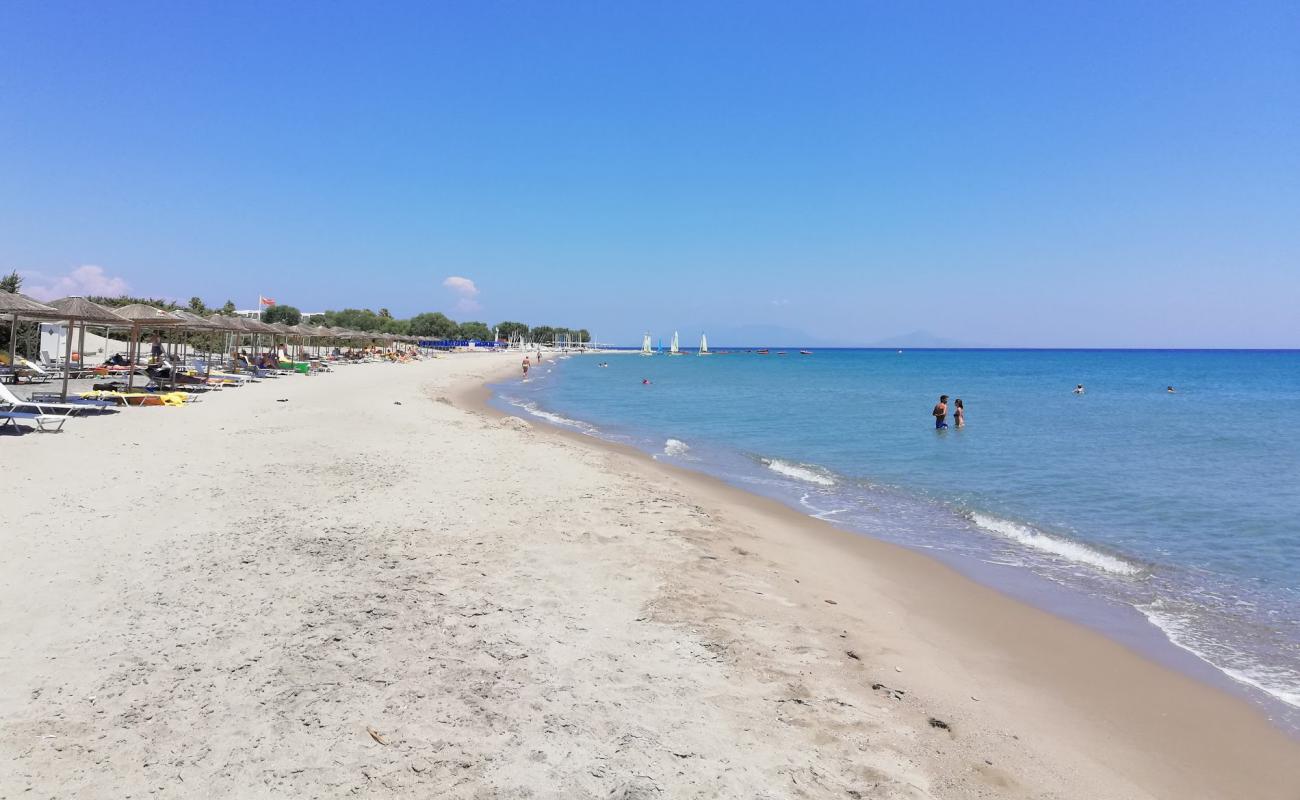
[(381, 588)]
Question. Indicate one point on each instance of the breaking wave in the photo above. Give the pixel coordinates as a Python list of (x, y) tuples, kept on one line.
[(555, 419), (801, 472), (1055, 545)]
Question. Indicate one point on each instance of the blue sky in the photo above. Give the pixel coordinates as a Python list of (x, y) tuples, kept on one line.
[(1040, 174)]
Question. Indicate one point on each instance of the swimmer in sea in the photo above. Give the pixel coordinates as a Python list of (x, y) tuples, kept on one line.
[(1079, 389), (645, 381), (940, 412), (958, 413), (1170, 390)]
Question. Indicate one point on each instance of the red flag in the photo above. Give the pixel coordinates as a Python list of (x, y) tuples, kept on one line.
[(266, 301)]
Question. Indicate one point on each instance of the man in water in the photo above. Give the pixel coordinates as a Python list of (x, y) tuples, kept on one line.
[(940, 412), (1169, 389), (1079, 389)]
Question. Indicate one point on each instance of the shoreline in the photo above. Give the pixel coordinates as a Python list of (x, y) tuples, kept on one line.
[(1112, 615), (1128, 695), (358, 584)]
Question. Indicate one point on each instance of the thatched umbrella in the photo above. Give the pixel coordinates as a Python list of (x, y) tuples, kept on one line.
[(303, 333), (143, 318), (224, 323), (193, 322), (14, 305), (79, 309)]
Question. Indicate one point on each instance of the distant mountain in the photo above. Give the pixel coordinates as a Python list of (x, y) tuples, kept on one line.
[(754, 336), (923, 339)]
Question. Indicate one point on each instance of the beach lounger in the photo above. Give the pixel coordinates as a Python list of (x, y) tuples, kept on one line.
[(138, 398), (90, 405), (45, 423), (11, 402)]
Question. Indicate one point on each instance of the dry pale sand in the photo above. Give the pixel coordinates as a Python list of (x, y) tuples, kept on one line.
[(341, 596)]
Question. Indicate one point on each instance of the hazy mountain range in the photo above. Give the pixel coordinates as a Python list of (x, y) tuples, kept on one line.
[(779, 336)]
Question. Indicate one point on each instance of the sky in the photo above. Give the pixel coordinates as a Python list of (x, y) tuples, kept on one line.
[(1105, 174)]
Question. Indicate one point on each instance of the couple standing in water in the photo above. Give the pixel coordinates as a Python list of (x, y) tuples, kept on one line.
[(940, 413)]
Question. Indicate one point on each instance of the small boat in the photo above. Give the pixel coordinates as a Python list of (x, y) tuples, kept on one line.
[(704, 346), (782, 353), (674, 350), (761, 352), (805, 352), (645, 346)]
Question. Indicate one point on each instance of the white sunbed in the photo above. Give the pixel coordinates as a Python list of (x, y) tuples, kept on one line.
[(10, 402), (45, 423)]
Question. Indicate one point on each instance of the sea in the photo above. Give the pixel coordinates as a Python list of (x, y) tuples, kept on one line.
[(1169, 520)]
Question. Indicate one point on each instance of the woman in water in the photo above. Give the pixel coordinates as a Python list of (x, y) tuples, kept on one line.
[(958, 414)]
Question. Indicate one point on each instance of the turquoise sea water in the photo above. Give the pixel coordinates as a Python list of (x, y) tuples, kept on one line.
[(1180, 506)]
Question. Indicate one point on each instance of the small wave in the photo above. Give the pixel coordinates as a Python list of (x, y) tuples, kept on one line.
[(554, 419), (1062, 548), (1280, 684), (676, 447), (802, 472)]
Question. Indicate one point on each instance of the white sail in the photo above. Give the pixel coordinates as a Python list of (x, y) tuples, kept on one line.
[(704, 345), (674, 350), (645, 346)]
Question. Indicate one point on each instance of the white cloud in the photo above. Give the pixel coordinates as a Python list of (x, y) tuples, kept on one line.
[(84, 280), (780, 302), (465, 290)]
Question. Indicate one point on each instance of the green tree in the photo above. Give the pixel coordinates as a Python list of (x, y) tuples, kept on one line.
[(543, 334), (361, 319), (583, 336), (474, 330), (284, 314), (11, 283), (507, 330), (229, 308), (197, 306), (383, 312), (434, 325), (318, 319)]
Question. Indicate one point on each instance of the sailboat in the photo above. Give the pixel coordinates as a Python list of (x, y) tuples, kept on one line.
[(674, 350), (645, 346), (704, 346)]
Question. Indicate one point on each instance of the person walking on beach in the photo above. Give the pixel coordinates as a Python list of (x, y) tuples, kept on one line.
[(958, 414), (940, 412)]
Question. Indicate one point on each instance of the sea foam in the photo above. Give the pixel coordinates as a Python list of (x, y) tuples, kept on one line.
[(1055, 545), (676, 447), (1281, 684), (555, 419), (801, 472)]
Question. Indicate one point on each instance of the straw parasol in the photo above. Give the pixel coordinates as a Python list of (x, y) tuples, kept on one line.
[(24, 306), (194, 322), (14, 305), (74, 310), (142, 318)]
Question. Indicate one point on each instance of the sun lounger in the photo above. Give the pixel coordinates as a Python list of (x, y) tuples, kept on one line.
[(11, 402), (45, 423), (45, 398), (139, 398)]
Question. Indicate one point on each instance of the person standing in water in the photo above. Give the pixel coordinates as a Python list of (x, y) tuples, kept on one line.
[(958, 414), (940, 412), (526, 365)]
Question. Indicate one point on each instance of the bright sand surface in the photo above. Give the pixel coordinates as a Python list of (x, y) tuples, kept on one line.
[(227, 599)]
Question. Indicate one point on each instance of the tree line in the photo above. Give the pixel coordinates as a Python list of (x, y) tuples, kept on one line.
[(429, 325)]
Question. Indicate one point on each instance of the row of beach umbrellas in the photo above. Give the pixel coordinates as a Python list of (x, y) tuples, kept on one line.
[(139, 318)]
